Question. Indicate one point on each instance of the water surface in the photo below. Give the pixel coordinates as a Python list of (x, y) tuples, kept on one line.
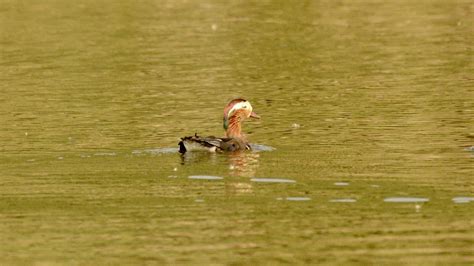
[(377, 95)]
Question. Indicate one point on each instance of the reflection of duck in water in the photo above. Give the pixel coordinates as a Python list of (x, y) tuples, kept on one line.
[(239, 163), (234, 114), (243, 163)]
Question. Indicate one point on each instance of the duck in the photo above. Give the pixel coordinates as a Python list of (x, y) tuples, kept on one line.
[(235, 112)]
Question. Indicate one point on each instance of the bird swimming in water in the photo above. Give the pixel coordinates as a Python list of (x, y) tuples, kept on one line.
[(235, 113)]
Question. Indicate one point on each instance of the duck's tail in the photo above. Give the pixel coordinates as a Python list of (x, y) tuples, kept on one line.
[(197, 143), (182, 147)]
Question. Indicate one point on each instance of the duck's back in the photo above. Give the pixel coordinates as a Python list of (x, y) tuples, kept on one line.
[(212, 144)]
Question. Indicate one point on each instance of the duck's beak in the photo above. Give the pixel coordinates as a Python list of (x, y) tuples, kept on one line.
[(254, 115)]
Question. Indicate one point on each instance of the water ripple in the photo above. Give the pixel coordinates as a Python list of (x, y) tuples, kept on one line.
[(406, 199), (343, 200), (272, 180), (463, 199), (295, 198), (205, 177), (156, 151), (261, 147)]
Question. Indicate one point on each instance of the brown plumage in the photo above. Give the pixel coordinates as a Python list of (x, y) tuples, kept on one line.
[(234, 114)]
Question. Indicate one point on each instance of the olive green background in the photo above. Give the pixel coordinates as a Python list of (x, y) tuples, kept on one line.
[(377, 94)]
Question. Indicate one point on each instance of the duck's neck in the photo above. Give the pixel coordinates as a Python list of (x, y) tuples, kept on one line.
[(234, 128)]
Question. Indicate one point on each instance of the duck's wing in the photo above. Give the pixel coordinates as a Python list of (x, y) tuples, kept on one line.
[(197, 143), (234, 144), (211, 143)]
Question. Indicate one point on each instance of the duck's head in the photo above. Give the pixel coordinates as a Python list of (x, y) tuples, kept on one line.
[(238, 110)]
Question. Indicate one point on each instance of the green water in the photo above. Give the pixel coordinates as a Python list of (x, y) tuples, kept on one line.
[(363, 101)]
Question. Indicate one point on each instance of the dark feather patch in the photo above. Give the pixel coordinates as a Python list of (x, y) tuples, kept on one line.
[(221, 144)]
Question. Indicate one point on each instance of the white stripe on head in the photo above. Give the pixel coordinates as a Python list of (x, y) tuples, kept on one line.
[(240, 105)]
